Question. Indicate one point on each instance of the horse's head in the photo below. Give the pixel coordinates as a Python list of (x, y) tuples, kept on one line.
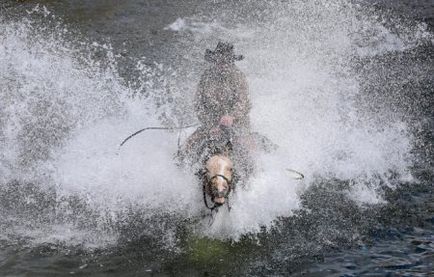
[(218, 178)]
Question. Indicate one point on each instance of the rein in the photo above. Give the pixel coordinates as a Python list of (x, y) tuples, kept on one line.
[(156, 128), (206, 202)]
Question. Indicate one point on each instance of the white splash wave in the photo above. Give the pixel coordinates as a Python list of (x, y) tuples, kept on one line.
[(304, 99)]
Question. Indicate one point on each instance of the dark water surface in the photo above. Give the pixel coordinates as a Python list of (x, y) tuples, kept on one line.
[(372, 221)]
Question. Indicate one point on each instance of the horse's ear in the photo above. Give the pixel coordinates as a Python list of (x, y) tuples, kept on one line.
[(226, 152), (201, 172), (229, 147)]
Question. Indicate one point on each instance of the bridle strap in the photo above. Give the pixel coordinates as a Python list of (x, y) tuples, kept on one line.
[(222, 176), (204, 193), (206, 202)]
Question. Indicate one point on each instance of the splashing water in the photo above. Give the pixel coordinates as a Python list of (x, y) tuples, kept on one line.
[(64, 113)]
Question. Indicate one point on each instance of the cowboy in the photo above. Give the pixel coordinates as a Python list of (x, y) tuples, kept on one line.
[(221, 104)]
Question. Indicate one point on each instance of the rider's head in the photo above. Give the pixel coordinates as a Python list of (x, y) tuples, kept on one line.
[(222, 54)]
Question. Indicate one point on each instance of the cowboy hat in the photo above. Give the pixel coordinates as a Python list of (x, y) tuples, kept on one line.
[(224, 52)]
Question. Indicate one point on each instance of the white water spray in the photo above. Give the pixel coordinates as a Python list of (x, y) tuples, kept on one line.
[(63, 116)]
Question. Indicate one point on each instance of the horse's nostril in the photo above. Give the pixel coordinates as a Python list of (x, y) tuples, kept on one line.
[(219, 193)]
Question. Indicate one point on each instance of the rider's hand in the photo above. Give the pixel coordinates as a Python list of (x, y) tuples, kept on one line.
[(227, 120)]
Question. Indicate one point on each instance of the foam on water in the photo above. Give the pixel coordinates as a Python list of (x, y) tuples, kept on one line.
[(64, 114)]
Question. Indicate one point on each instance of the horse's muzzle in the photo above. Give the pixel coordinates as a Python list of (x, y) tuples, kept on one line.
[(220, 193), (218, 201), (219, 196)]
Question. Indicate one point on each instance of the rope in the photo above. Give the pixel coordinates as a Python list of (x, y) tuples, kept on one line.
[(156, 128), (206, 202)]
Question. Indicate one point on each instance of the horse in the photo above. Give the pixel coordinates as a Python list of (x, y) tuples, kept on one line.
[(224, 160), (217, 175)]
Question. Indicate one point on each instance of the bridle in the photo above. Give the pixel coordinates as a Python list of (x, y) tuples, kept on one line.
[(222, 176), (207, 181)]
